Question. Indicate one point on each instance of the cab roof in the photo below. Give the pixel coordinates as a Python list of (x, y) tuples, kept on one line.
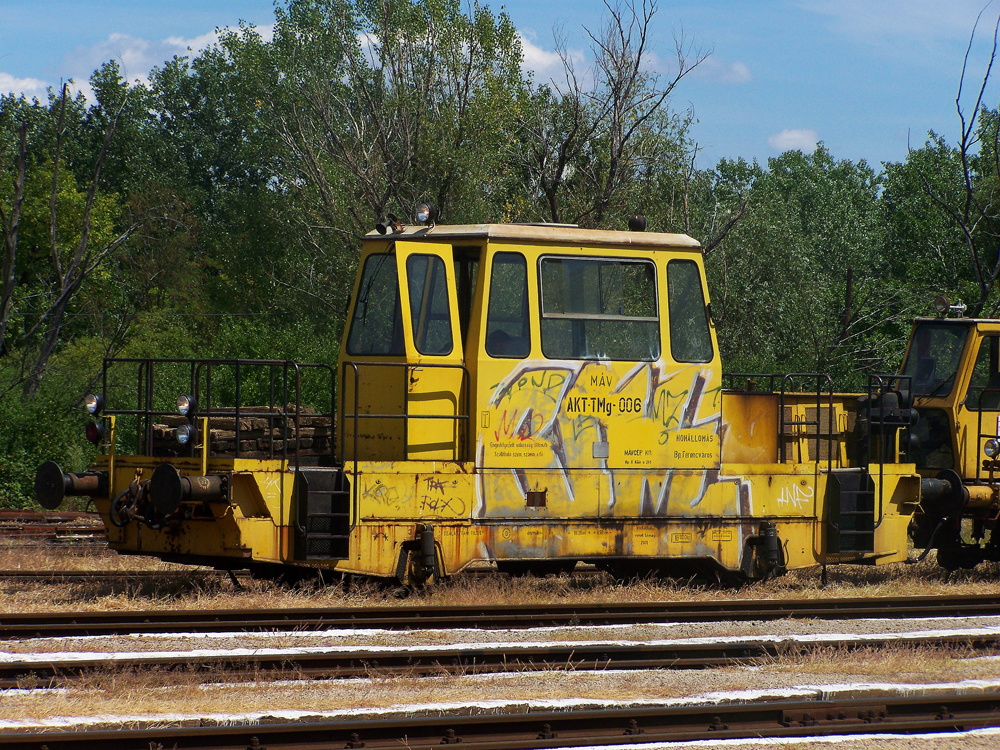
[(554, 234), (957, 321)]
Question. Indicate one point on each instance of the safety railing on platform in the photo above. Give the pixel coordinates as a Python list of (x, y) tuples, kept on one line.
[(278, 382), (404, 367)]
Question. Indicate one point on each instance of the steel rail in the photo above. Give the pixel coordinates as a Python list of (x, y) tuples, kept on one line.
[(102, 576), (944, 712), (75, 623), (31, 528), (475, 658), (35, 516)]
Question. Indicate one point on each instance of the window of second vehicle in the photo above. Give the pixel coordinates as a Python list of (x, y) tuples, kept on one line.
[(984, 386), (933, 358)]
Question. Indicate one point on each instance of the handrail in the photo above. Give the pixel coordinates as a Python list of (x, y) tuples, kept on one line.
[(881, 384), (201, 374), (355, 416), (821, 380), (980, 434)]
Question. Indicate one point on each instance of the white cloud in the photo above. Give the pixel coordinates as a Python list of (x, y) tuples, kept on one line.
[(137, 56), (30, 87), (547, 65), (794, 140), (714, 69)]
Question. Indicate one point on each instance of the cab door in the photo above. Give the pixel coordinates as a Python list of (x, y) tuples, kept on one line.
[(980, 415), (437, 384)]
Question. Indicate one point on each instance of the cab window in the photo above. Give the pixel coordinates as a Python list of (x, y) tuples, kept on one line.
[(932, 360), (508, 334), (430, 314), (984, 386), (933, 445), (596, 308), (377, 325), (690, 338)]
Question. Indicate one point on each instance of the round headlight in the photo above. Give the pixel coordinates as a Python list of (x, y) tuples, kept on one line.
[(95, 432), (186, 405), (992, 448), (427, 213), (93, 403), (186, 433)]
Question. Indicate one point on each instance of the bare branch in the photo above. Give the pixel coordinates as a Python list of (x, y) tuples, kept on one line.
[(713, 242), (53, 238), (10, 229)]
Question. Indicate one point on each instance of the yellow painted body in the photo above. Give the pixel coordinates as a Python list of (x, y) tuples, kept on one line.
[(532, 458)]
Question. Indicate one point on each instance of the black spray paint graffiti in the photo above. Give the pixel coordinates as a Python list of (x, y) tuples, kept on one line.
[(673, 411)]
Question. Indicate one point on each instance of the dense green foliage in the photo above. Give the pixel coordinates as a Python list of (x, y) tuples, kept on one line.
[(217, 210)]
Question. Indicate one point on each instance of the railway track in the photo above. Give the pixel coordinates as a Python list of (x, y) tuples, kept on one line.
[(110, 576), (939, 713), (52, 669), (64, 624), (30, 528)]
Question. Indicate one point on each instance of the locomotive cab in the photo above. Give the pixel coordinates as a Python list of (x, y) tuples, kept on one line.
[(497, 378), (954, 364)]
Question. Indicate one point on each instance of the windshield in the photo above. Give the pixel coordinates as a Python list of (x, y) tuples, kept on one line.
[(932, 361)]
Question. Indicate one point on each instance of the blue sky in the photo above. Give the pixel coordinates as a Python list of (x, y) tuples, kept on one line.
[(864, 77)]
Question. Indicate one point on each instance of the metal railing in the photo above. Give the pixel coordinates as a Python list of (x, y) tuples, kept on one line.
[(787, 384), (824, 387), (990, 464), (283, 379), (877, 386), (405, 416)]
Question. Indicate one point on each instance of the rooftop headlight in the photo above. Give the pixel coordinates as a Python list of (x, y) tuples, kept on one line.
[(992, 448), (186, 405), (427, 213), (93, 403)]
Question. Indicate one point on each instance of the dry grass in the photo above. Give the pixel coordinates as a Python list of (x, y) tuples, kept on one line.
[(151, 693), (902, 663), (210, 592)]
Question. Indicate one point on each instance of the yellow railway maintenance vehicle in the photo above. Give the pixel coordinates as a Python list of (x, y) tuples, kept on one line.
[(533, 397), (953, 364)]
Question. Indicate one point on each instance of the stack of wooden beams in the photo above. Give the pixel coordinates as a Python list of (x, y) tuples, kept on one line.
[(263, 432)]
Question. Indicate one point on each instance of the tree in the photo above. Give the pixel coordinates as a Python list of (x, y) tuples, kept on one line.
[(74, 249), (373, 107), (974, 207), (781, 278), (592, 147)]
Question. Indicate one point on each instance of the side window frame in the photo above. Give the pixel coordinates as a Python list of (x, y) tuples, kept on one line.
[(675, 311), (581, 319), (397, 345), (503, 345), (420, 316)]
